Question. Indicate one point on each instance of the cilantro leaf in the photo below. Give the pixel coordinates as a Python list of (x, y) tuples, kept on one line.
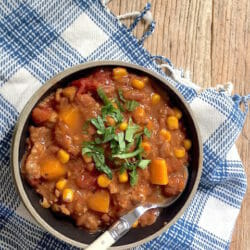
[(119, 105), (143, 164), (121, 95), (110, 110), (138, 140), (100, 165), (122, 169), (109, 134), (99, 124), (103, 96), (98, 140), (91, 149), (131, 130), (129, 155), (131, 105), (121, 141), (133, 177), (147, 132)]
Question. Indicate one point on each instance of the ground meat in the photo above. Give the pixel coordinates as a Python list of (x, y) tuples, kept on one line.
[(89, 220), (42, 135), (65, 139), (133, 95), (32, 167), (88, 105)]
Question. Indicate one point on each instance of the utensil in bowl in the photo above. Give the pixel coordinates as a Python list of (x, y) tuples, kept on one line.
[(124, 224)]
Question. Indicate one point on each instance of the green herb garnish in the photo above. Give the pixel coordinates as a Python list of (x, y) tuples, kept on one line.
[(99, 124), (110, 110), (131, 105), (121, 95), (120, 143), (119, 105), (143, 164), (97, 153), (129, 155), (103, 96), (131, 130), (147, 132), (109, 134), (133, 177)]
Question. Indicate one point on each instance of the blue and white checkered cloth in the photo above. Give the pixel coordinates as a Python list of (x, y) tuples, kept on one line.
[(38, 39)]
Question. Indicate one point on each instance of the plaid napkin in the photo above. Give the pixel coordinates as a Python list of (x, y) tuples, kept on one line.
[(38, 39)]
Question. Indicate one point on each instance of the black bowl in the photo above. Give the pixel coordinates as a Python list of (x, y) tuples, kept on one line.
[(64, 228)]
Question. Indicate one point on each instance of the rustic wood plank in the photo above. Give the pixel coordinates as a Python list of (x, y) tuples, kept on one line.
[(211, 39), (231, 62)]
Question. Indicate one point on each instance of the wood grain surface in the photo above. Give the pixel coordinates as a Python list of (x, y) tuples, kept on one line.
[(211, 38)]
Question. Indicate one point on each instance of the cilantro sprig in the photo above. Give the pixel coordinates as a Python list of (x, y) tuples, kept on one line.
[(97, 153), (125, 146), (130, 105)]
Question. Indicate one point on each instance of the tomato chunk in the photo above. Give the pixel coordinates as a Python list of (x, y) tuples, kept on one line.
[(86, 181), (40, 115)]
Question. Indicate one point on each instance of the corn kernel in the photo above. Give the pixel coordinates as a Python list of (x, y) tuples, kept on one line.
[(60, 185), (165, 134), (177, 113), (68, 195), (44, 203), (63, 156), (179, 152), (123, 177), (155, 99), (146, 146), (110, 121), (137, 84), (135, 224), (119, 73), (123, 126), (87, 159), (103, 181), (187, 144), (172, 123)]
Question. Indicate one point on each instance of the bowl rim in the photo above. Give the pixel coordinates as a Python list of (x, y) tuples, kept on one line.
[(16, 173)]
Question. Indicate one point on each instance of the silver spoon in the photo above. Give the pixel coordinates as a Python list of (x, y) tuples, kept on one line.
[(124, 224)]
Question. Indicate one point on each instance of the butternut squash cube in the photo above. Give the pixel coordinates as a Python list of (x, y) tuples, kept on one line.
[(51, 168), (99, 201), (71, 116), (158, 172)]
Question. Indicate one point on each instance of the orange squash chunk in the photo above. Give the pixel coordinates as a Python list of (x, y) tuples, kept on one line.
[(99, 201), (51, 168), (158, 172), (71, 116)]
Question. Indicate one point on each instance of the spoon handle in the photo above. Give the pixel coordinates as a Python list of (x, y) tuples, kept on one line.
[(103, 242), (107, 239)]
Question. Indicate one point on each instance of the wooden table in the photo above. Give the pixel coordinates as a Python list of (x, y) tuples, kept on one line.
[(211, 38)]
